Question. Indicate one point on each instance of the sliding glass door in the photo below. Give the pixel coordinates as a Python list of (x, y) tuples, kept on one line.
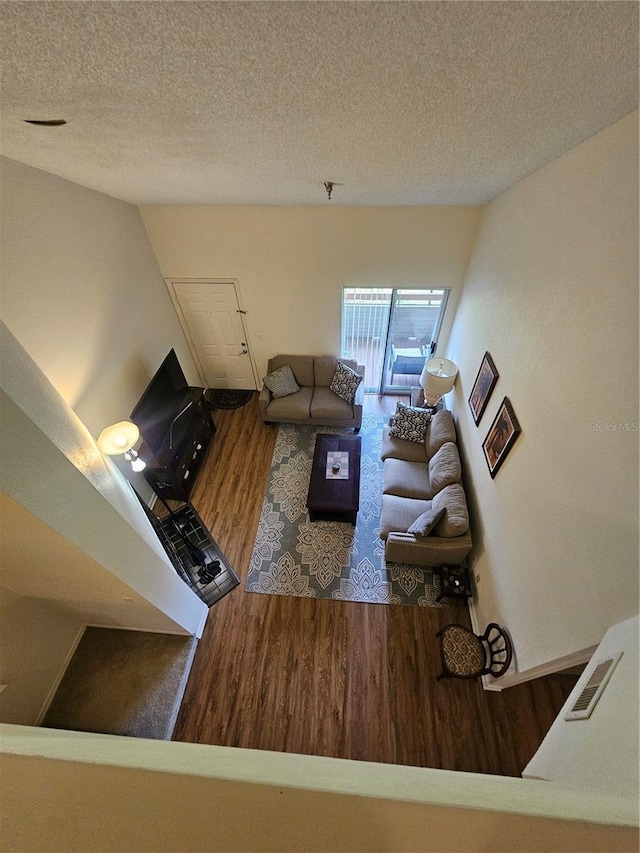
[(392, 331)]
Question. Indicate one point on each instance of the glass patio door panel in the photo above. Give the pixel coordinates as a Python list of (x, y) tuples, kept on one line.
[(392, 331), (365, 327), (416, 315), (416, 319)]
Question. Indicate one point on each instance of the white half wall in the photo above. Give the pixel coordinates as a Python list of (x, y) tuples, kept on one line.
[(552, 293), (601, 752), (56, 472), (291, 263), (121, 794)]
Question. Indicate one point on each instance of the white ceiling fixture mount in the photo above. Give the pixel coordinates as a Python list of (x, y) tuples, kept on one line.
[(329, 185)]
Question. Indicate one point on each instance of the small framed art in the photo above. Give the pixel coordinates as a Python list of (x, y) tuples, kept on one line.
[(502, 434), (482, 387)]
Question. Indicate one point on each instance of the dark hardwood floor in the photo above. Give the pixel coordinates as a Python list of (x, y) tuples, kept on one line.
[(337, 679)]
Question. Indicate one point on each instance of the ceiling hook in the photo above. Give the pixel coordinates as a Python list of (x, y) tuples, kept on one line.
[(328, 185)]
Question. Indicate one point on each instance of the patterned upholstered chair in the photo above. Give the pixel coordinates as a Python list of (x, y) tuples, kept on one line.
[(468, 655)]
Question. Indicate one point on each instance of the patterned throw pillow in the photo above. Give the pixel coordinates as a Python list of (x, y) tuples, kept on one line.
[(282, 382), (345, 382), (410, 423)]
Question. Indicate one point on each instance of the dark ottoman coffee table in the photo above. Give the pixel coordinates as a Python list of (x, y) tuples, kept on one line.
[(335, 495)]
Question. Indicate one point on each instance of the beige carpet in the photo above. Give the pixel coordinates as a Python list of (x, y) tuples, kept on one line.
[(123, 683)]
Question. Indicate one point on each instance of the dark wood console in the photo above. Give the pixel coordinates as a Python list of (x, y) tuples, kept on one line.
[(172, 470)]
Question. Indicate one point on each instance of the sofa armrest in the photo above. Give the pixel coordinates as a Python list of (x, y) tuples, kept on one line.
[(427, 550), (358, 400), (264, 399)]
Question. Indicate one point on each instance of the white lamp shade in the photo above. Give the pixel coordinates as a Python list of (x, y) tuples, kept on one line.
[(118, 438), (437, 378)]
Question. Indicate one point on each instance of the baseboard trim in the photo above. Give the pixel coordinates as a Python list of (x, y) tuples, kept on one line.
[(474, 617), (52, 692), (550, 668), (143, 630)]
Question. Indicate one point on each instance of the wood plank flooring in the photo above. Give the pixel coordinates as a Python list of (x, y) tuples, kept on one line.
[(329, 678)]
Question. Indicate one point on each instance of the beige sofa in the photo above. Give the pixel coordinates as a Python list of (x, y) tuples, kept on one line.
[(315, 402), (419, 477)]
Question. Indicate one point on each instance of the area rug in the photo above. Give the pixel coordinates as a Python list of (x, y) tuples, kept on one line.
[(327, 559), (127, 683), (226, 398)]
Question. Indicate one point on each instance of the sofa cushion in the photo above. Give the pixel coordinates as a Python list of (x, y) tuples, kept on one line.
[(324, 367), (326, 404), (281, 382), (398, 513), (444, 468), (440, 430), (302, 366), (410, 423), (407, 479), (455, 522), (292, 408), (426, 523), (398, 448), (345, 382)]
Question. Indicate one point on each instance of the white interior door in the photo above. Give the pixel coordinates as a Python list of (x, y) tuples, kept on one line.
[(213, 320)]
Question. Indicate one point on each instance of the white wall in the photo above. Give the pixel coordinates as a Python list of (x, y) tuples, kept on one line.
[(82, 292), (601, 752), (121, 794), (292, 262), (552, 293), (35, 641)]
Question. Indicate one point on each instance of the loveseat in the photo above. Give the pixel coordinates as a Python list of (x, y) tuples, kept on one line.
[(314, 402), (423, 489)]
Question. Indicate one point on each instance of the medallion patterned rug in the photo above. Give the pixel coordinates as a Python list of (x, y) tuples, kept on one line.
[(327, 559)]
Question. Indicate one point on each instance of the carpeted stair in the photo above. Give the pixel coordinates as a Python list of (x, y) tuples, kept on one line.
[(123, 683)]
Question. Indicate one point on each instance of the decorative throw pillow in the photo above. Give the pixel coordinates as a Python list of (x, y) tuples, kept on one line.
[(282, 382), (425, 523), (345, 382), (410, 423)]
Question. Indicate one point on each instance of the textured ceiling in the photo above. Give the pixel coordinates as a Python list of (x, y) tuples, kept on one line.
[(261, 102)]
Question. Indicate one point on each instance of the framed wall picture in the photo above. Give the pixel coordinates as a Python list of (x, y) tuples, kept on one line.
[(502, 434), (482, 387)]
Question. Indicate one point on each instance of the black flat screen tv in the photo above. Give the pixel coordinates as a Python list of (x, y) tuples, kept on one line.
[(161, 401)]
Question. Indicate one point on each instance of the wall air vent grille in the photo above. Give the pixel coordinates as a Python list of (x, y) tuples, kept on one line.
[(593, 689)]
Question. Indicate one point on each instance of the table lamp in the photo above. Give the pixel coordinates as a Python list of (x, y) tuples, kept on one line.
[(437, 378)]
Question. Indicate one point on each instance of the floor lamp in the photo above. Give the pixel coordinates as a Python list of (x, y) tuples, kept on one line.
[(119, 439)]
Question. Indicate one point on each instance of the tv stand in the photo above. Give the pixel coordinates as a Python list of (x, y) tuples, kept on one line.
[(172, 470)]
